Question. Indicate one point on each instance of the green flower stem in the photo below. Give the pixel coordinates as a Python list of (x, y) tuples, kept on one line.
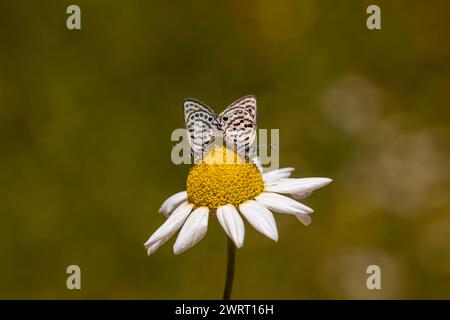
[(231, 259)]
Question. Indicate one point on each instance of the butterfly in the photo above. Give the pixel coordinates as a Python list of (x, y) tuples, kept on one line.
[(236, 125)]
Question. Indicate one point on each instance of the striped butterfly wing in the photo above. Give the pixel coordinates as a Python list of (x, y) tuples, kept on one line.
[(238, 124), (201, 124)]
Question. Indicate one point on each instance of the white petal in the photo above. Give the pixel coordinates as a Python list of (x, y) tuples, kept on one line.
[(194, 229), (172, 202), (304, 218), (260, 218), (302, 195), (282, 204), (294, 186), (171, 225), (277, 174), (155, 246), (232, 223)]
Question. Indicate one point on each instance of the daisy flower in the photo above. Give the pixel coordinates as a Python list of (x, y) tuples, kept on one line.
[(227, 187)]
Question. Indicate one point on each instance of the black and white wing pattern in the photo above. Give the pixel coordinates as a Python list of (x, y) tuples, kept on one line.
[(238, 124), (201, 124)]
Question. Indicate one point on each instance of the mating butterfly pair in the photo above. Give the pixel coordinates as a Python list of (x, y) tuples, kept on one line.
[(236, 125)]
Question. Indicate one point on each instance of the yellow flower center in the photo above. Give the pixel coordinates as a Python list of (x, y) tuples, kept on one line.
[(223, 178)]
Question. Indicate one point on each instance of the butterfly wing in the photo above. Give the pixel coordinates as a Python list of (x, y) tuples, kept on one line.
[(201, 124), (238, 123)]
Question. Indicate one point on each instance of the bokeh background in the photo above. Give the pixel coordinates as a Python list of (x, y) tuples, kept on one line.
[(85, 124)]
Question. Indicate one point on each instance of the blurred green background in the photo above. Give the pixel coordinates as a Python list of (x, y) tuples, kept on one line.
[(85, 124)]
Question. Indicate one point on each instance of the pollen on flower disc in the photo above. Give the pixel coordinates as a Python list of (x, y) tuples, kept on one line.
[(223, 178)]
